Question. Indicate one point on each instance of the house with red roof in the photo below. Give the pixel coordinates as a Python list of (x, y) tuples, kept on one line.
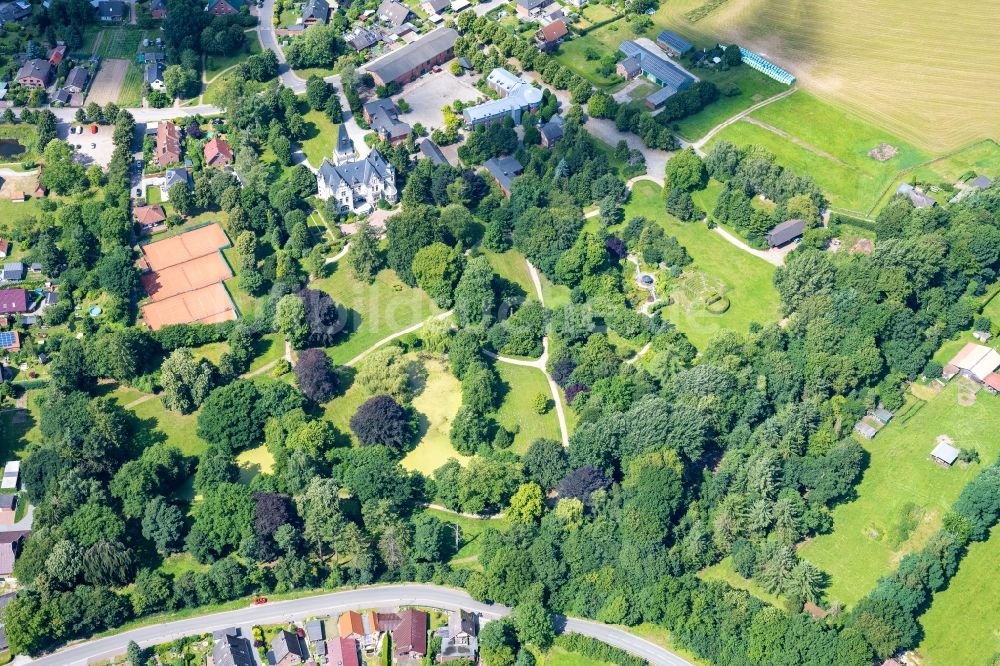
[(149, 217), (4, 248), (218, 153), (342, 652), (57, 54)]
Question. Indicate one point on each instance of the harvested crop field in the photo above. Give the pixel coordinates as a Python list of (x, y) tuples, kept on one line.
[(108, 82), (924, 70)]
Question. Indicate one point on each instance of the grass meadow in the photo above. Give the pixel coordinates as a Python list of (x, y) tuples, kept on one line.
[(516, 413), (960, 626), (934, 81), (902, 485), (436, 407), (813, 138), (321, 137), (753, 87), (746, 280), (375, 311), (467, 534), (130, 94), (511, 266), (723, 572)]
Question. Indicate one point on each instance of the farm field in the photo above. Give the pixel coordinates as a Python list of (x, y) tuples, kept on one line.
[(120, 42), (968, 607), (799, 130), (374, 311), (321, 137), (436, 407), (744, 279), (934, 82), (516, 413), (900, 479), (130, 93)]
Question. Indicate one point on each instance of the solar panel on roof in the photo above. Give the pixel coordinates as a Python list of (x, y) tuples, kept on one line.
[(7, 339)]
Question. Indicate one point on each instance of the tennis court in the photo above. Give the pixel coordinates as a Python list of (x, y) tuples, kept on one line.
[(185, 280), (208, 305), (188, 276), (184, 247)]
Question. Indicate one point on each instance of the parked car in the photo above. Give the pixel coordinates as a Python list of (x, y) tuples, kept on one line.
[(93, 145)]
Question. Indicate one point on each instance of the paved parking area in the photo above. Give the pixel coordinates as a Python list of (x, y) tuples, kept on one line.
[(91, 148), (431, 92)]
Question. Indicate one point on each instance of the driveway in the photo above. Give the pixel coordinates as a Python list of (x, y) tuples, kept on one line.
[(334, 603)]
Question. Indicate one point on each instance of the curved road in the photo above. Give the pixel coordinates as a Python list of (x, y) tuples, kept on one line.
[(337, 602)]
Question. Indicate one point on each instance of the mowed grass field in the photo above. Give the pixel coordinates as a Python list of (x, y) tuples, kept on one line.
[(814, 138), (923, 70), (960, 626), (321, 137), (859, 549), (746, 280), (130, 94), (436, 407), (374, 311), (516, 413), (753, 87)]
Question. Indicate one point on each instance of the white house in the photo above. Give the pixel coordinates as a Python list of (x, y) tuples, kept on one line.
[(358, 185)]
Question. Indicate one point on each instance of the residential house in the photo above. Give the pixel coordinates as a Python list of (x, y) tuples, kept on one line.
[(431, 151), (149, 218), (76, 80), (223, 7), (673, 44), (62, 97), (516, 97), (409, 634), (14, 12), (916, 197), (112, 10), (358, 185), (4, 248), (10, 548), (35, 73), (344, 150), (551, 131), (171, 178), (549, 37), (435, 6), (13, 271), (349, 625), (383, 117), (35, 267), (158, 9), (315, 634), (363, 628), (10, 340), (977, 183), (415, 59), (8, 507), (287, 649), (361, 38), (629, 68), (459, 639), (460, 5), (218, 153), (392, 12), (168, 144), (154, 74), (504, 170), (315, 11), (13, 301), (531, 8), (231, 649), (342, 652), (785, 233), (57, 54)]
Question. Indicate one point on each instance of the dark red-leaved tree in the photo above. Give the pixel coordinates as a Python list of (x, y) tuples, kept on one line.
[(381, 420), (322, 316), (315, 376)]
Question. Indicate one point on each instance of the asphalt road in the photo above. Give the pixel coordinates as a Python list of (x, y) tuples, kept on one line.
[(334, 603)]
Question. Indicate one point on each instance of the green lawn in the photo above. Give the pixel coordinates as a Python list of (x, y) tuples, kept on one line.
[(555, 295), (321, 137), (469, 530), (436, 407), (557, 656), (21, 428), (723, 571), (214, 64), (516, 413), (828, 144), (960, 626), (511, 266), (375, 311), (178, 563), (211, 352), (746, 280), (899, 472), (253, 462), (174, 428), (572, 54), (752, 85), (130, 94), (269, 348)]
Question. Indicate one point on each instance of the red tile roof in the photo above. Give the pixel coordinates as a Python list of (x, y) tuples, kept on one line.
[(149, 214), (993, 381), (57, 54), (218, 147), (554, 31), (168, 143), (411, 634), (342, 652), (4, 245)]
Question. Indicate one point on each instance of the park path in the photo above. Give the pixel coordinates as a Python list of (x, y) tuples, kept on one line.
[(340, 255), (473, 516), (639, 354), (700, 143), (651, 288), (389, 338)]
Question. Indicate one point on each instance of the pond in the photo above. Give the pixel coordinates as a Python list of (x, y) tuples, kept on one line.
[(10, 148)]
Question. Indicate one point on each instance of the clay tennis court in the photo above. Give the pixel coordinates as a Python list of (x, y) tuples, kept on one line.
[(184, 247), (188, 276), (185, 280), (208, 305)]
